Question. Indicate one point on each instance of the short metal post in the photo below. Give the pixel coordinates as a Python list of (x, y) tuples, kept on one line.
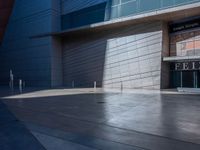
[(20, 85), (181, 79), (11, 80), (95, 85), (121, 86)]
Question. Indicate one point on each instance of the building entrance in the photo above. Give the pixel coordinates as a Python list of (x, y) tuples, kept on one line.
[(185, 53), (188, 79), (198, 79)]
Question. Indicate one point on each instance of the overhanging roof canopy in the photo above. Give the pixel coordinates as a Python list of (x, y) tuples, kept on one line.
[(180, 58)]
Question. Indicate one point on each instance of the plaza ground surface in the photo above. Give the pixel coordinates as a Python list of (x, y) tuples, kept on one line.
[(88, 119)]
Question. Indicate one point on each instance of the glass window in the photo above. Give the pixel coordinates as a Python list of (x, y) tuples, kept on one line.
[(167, 3), (115, 12), (197, 43), (145, 5), (128, 8), (185, 44), (115, 2), (148, 5), (180, 1), (124, 1), (84, 16)]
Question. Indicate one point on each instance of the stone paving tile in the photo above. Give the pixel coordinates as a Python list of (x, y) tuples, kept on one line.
[(53, 143), (13, 134), (80, 139)]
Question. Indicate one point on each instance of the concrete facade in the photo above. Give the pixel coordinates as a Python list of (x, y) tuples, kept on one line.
[(130, 56), (119, 52)]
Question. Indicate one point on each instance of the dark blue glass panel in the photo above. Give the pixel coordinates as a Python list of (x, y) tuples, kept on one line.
[(84, 16)]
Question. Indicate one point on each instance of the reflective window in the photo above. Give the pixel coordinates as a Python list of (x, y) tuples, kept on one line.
[(185, 44), (180, 1), (84, 16), (124, 1), (114, 12), (133, 7), (167, 3), (146, 5), (115, 2), (128, 8), (115, 9)]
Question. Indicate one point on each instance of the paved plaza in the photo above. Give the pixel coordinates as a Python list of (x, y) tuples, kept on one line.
[(88, 119)]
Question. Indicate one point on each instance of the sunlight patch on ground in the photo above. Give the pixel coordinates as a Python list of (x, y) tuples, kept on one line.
[(52, 92), (63, 92)]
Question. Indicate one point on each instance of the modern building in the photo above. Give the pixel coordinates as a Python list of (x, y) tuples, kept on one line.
[(151, 44)]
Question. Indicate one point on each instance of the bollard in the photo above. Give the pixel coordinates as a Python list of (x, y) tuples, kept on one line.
[(11, 73), (121, 86), (11, 81), (72, 84), (95, 85), (20, 85)]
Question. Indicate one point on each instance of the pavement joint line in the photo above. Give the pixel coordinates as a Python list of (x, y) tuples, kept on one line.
[(82, 135), (144, 133), (14, 121), (36, 138), (63, 139), (92, 122)]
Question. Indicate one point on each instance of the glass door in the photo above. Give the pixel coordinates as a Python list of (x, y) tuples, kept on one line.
[(188, 79), (175, 79), (198, 79)]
